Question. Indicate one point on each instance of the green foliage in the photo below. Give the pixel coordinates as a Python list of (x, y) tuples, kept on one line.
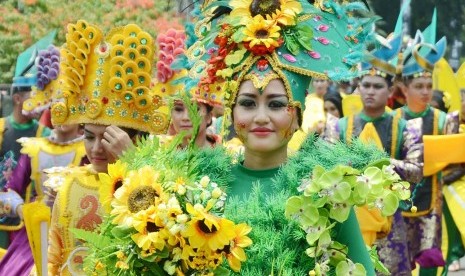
[(25, 21)]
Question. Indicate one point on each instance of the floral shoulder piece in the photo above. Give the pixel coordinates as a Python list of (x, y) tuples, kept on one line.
[(328, 193)]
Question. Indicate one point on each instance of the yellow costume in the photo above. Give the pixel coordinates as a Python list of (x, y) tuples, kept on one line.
[(105, 81), (76, 206)]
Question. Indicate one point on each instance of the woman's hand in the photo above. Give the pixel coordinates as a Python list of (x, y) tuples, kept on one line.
[(116, 141)]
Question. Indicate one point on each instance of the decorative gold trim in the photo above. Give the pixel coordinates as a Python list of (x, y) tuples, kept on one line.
[(394, 133)]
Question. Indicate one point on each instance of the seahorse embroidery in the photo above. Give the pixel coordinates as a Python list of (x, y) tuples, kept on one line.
[(91, 219)]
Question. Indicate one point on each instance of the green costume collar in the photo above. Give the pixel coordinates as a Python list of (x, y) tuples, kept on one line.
[(416, 114), (367, 118), (19, 126)]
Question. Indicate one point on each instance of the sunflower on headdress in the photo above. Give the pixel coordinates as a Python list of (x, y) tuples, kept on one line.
[(281, 11), (111, 182), (139, 192), (262, 32)]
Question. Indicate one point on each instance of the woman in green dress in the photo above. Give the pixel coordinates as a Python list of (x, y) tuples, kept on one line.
[(263, 56)]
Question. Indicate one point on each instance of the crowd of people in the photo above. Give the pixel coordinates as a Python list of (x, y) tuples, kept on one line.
[(313, 134)]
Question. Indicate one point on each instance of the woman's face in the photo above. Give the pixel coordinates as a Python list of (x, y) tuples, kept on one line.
[(180, 118), (263, 120), (320, 86), (96, 153), (331, 108)]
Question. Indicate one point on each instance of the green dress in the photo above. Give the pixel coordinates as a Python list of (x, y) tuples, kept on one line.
[(259, 184)]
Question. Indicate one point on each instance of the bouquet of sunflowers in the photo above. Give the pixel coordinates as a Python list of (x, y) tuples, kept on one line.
[(165, 210)]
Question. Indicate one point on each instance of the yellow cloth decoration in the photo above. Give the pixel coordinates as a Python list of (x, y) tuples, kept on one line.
[(313, 113), (370, 135), (37, 220), (372, 224), (454, 194), (434, 147), (352, 104), (296, 141), (445, 80)]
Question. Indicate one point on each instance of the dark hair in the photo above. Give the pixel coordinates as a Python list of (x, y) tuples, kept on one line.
[(336, 99), (438, 97)]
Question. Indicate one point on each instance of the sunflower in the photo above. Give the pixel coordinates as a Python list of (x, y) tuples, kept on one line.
[(262, 32), (205, 229), (111, 182), (281, 11), (235, 250), (139, 192)]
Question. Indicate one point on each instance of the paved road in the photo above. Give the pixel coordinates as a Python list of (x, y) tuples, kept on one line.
[(460, 272)]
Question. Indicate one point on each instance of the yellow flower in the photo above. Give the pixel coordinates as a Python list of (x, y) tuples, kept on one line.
[(149, 240), (262, 32), (122, 265), (111, 182), (208, 230), (235, 251), (281, 11), (140, 191)]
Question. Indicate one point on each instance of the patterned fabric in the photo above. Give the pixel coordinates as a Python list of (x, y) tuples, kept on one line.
[(77, 206), (392, 250)]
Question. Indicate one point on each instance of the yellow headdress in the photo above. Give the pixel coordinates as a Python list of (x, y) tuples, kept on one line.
[(106, 80)]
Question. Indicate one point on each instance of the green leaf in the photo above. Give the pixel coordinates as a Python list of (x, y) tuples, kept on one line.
[(122, 232), (95, 239), (221, 271), (238, 36), (305, 42), (235, 58), (292, 45), (156, 269)]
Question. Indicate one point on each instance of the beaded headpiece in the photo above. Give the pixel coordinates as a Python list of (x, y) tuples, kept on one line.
[(107, 79), (26, 72), (424, 52), (48, 68), (288, 39), (171, 45)]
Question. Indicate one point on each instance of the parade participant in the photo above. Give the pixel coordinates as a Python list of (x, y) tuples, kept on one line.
[(452, 248), (170, 45), (19, 125), (65, 146), (399, 139), (265, 76), (424, 223), (107, 88), (333, 104)]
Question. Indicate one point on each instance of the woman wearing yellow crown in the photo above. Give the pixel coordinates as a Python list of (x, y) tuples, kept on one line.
[(170, 45), (264, 54), (64, 147), (106, 87)]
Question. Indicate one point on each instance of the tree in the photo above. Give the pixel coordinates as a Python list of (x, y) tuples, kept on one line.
[(25, 21)]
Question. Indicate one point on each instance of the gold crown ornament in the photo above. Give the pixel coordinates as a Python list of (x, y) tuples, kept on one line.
[(106, 80)]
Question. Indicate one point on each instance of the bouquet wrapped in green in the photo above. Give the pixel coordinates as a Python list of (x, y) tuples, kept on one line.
[(166, 216)]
